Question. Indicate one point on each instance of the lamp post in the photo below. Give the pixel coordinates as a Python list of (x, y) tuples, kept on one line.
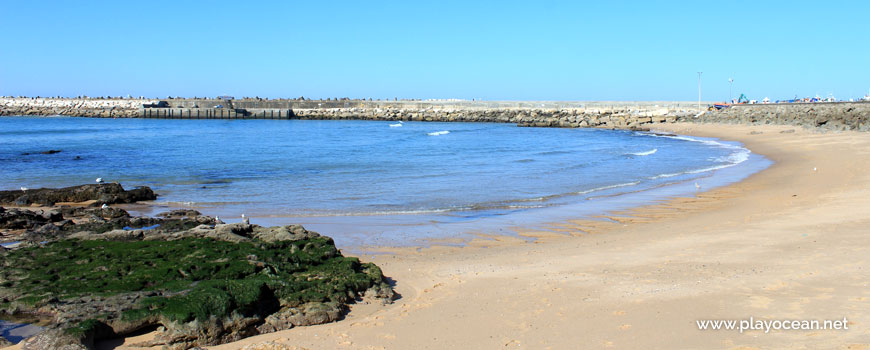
[(730, 95), (699, 91)]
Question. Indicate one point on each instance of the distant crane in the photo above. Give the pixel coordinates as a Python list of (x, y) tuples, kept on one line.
[(742, 99)]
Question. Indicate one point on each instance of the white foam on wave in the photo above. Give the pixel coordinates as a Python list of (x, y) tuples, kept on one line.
[(437, 133), (395, 125), (652, 151), (591, 190), (739, 155), (377, 213), (602, 188)]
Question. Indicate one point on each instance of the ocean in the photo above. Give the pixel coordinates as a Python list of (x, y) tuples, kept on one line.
[(370, 182)]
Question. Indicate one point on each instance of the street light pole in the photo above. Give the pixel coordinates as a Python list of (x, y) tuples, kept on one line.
[(730, 94), (699, 91)]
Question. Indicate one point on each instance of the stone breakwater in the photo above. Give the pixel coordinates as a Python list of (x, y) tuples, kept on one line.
[(568, 118), (838, 116), (620, 115), (625, 115), (108, 108)]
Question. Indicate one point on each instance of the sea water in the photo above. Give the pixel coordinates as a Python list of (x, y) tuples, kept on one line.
[(371, 182)]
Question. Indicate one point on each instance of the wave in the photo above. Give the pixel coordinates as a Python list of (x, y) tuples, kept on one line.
[(552, 153), (577, 193), (374, 213), (202, 204), (694, 171), (654, 150), (395, 125), (506, 204), (633, 183), (739, 154), (438, 133)]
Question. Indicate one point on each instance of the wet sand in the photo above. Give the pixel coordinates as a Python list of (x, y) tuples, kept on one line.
[(789, 242)]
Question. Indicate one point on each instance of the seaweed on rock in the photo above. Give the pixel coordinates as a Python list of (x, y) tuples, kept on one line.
[(201, 291)]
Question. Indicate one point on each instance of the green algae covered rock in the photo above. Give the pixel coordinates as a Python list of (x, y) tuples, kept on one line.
[(199, 291)]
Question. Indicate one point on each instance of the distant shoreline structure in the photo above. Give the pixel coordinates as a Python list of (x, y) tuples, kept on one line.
[(631, 115)]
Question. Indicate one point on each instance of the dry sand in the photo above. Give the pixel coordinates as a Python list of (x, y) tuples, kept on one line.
[(787, 243)]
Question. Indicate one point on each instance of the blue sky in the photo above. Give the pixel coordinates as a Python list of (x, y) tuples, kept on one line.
[(505, 50)]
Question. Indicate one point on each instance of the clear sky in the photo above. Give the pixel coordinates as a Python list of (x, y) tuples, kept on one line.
[(500, 50)]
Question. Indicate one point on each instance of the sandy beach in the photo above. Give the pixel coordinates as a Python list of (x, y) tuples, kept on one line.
[(788, 243)]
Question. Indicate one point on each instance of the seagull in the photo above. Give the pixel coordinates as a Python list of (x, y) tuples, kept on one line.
[(24, 189), (217, 220), (105, 206), (697, 186), (99, 180), (246, 220)]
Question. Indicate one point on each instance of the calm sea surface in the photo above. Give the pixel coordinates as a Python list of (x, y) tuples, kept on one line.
[(350, 172)]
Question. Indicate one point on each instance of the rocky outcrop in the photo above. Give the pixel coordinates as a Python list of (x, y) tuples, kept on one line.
[(204, 283), (57, 339), (22, 219), (108, 193), (822, 116)]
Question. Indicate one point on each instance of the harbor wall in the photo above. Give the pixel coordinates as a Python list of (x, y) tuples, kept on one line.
[(630, 115), (60, 103), (524, 113)]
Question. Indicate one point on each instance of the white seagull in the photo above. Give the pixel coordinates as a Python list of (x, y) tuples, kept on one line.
[(246, 220), (105, 206), (697, 186), (99, 180), (24, 189)]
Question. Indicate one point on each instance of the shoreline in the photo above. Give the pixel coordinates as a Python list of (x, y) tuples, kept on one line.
[(783, 243), (366, 233)]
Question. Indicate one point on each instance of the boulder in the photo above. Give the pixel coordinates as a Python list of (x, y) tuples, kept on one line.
[(18, 219), (305, 315), (56, 339), (180, 214), (283, 233)]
